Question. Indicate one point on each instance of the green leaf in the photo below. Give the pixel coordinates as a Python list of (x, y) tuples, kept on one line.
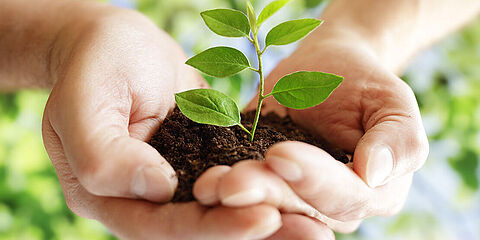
[(312, 3), (291, 31), (208, 106), (227, 22), (302, 90), (251, 17), (270, 9), (219, 61)]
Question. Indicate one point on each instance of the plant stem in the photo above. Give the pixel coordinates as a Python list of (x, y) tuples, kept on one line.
[(260, 87), (244, 129), (265, 49), (267, 95), (253, 69)]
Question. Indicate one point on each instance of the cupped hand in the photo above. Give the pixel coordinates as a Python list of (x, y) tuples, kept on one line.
[(117, 76), (373, 115), (115, 85)]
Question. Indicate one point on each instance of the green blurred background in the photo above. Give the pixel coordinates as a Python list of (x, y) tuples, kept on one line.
[(444, 202)]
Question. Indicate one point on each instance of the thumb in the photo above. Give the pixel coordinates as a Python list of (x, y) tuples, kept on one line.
[(395, 145), (105, 158)]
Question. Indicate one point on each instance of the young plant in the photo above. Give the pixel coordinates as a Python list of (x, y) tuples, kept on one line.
[(298, 90)]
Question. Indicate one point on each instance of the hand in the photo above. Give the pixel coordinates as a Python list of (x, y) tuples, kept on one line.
[(116, 84), (373, 115)]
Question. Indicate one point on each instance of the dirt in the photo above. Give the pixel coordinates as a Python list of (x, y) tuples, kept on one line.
[(192, 148)]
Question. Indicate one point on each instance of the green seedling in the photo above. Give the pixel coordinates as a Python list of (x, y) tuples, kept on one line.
[(298, 90)]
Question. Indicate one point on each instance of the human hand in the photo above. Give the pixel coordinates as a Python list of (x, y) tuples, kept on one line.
[(117, 76), (373, 115)]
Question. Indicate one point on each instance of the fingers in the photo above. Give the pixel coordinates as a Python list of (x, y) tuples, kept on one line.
[(330, 186), (136, 219), (123, 167), (189, 221), (394, 143), (205, 188), (245, 184), (302, 228), (255, 222), (251, 182), (102, 155)]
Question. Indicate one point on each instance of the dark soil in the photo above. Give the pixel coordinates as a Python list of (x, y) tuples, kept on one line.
[(192, 148)]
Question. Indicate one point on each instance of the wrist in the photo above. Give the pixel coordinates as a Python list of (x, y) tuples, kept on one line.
[(92, 25), (124, 40), (390, 50), (372, 25)]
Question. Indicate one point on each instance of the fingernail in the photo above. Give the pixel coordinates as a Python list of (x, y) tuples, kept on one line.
[(267, 229), (379, 166), (153, 183), (287, 169), (244, 198)]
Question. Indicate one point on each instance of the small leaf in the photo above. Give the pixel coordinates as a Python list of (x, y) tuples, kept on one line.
[(252, 19), (219, 61), (208, 106), (302, 90), (227, 22), (270, 9), (291, 31)]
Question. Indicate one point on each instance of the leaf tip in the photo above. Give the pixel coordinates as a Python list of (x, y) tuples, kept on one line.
[(177, 96), (189, 62), (203, 14)]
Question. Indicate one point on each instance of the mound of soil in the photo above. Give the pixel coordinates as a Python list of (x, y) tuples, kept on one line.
[(192, 148)]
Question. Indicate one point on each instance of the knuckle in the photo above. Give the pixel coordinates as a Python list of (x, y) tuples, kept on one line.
[(72, 199), (72, 204), (406, 88), (398, 86), (75, 207)]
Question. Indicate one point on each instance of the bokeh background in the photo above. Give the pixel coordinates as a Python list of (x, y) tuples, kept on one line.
[(444, 202)]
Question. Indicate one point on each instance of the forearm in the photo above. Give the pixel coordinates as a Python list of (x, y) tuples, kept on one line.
[(395, 30), (37, 38), (29, 31)]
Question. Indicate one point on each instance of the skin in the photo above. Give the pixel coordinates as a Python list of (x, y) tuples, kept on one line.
[(373, 115), (113, 75)]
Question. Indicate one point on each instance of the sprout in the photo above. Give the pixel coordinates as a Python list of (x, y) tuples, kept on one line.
[(298, 90)]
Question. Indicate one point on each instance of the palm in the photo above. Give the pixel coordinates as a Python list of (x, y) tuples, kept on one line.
[(355, 105), (109, 101)]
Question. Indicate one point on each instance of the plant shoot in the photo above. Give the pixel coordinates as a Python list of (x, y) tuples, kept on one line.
[(298, 90)]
